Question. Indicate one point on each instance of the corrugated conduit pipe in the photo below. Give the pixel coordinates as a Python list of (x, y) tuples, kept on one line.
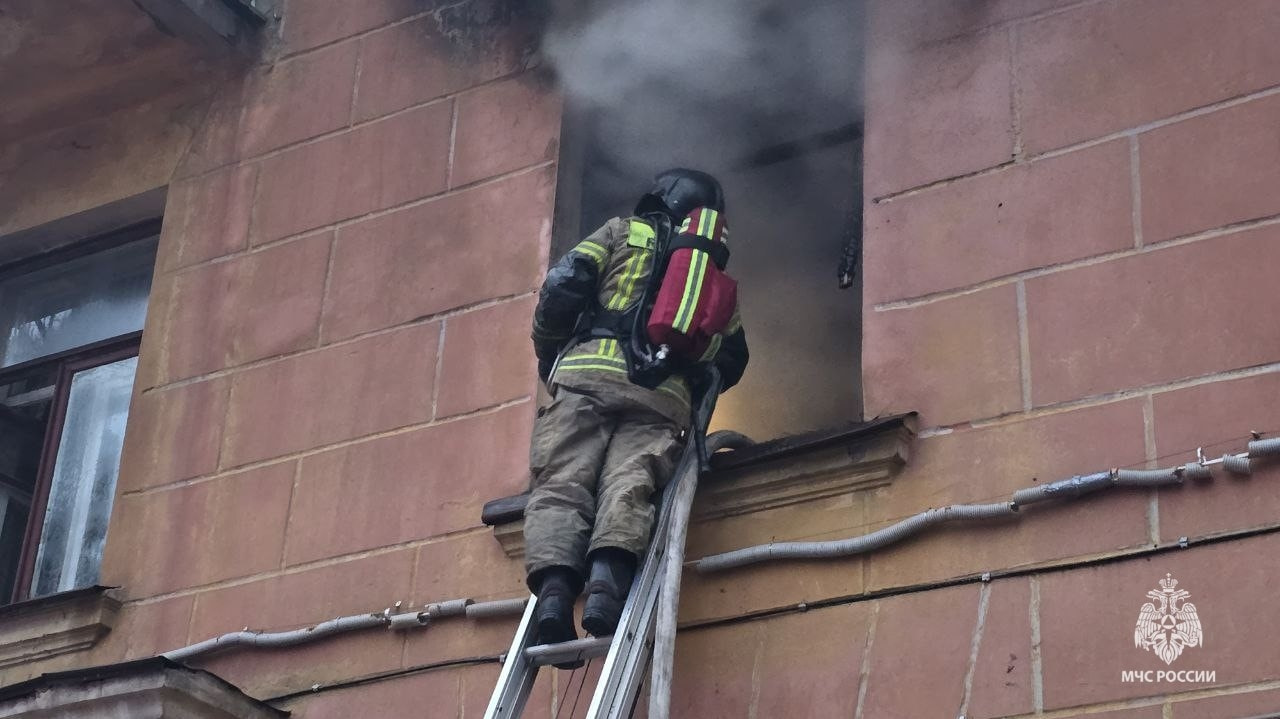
[(1238, 464), (386, 618), (855, 545)]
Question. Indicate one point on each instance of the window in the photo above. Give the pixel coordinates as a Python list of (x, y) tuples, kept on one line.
[(70, 326), (765, 95)]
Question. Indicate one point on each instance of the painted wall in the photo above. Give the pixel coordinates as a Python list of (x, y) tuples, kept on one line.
[(337, 344), (1070, 233), (334, 374), (1070, 236)]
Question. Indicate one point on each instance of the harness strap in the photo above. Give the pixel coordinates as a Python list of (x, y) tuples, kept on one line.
[(718, 250), (613, 323)]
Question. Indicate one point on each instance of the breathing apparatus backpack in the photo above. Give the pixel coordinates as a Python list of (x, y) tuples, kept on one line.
[(695, 299), (687, 302)]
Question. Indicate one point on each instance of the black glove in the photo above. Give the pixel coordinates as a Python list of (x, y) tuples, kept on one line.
[(544, 369)]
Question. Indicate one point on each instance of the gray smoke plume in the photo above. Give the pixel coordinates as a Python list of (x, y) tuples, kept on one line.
[(766, 95), (708, 82)]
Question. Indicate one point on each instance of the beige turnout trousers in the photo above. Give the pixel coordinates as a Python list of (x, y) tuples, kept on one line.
[(595, 459)]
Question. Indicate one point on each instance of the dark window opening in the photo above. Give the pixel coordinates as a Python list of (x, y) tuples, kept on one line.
[(70, 327), (771, 104)]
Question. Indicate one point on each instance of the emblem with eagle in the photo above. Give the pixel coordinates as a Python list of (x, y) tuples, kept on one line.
[(1168, 628)]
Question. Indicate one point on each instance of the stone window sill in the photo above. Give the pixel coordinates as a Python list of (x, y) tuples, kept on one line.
[(57, 624), (154, 687), (786, 471)]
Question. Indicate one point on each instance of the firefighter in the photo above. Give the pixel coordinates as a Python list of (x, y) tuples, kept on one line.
[(604, 443)]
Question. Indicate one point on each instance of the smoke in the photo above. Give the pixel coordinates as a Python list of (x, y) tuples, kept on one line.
[(766, 95), (704, 82)]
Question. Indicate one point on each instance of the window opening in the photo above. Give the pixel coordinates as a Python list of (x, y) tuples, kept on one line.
[(25, 403), (70, 327), (82, 488), (71, 304), (767, 96)]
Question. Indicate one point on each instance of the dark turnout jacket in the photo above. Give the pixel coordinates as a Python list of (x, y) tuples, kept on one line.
[(609, 270)]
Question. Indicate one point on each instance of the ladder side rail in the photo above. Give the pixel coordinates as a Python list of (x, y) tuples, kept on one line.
[(515, 681), (667, 594), (620, 669), (668, 583), (628, 657)]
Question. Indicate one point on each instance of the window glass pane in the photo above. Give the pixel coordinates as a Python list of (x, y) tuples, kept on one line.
[(84, 479), (75, 303), (24, 414)]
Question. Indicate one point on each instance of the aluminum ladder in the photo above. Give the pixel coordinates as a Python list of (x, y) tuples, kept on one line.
[(628, 651)]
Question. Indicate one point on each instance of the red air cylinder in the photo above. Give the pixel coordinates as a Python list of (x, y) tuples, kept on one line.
[(696, 299)]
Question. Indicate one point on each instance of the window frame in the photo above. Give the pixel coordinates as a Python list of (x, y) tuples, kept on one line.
[(75, 250), (66, 364), (79, 360)]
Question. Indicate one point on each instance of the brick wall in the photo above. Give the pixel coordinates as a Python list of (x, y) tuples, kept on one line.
[(1077, 281), (338, 336), (335, 371), (1071, 236), (1069, 226), (1047, 643)]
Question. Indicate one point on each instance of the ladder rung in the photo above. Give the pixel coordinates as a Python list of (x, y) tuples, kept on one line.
[(586, 648)]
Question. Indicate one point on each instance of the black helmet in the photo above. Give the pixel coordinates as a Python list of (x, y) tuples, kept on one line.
[(676, 192)]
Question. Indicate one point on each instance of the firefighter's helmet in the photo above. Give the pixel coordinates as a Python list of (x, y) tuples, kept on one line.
[(678, 191)]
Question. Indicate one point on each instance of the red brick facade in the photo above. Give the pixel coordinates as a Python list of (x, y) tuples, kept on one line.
[(1070, 229), (1071, 238)]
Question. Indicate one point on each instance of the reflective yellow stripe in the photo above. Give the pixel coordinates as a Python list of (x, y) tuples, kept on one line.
[(688, 287), (602, 367), (697, 288), (612, 304), (630, 275), (708, 228), (597, 357), (675, 391), (594, 363), (589, 359), (615, 302), (692, 288), (592, 250), (607, 350)]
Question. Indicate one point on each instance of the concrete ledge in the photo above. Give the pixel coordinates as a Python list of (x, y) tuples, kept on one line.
[(153, 688), (57, 624), (510, 536), (804, 468), (781, 472)]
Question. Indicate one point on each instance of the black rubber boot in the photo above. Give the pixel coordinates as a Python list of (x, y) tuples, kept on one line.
[(611, 573), (556, 596)]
